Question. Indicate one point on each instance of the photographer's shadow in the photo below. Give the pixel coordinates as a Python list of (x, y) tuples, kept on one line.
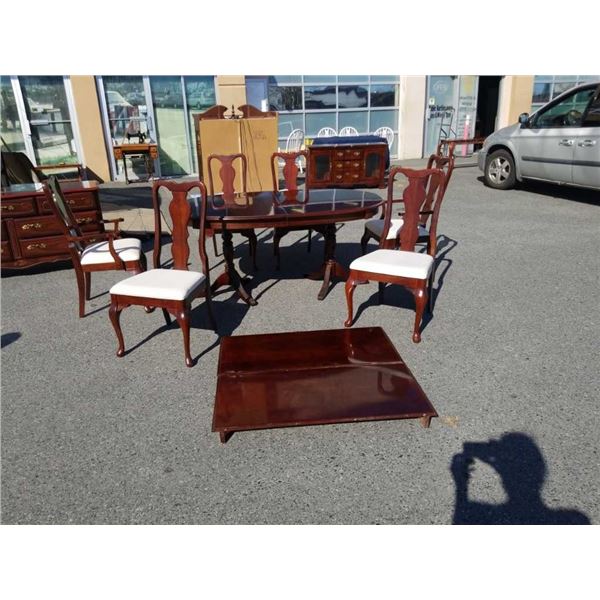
[(521, 466)]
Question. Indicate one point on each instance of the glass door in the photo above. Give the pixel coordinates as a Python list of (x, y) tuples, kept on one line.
[(127, 109), (11, 130), (163, 108), (49, 116), (36, 119)]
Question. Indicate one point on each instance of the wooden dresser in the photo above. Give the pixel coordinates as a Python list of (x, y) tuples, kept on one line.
[(347, 165), (30, 233)]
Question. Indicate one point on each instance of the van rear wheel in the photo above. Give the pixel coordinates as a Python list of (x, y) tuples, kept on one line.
[(500, 170)]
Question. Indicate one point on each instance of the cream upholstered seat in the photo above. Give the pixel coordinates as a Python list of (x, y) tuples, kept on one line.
[(397, 263), (164, 284), (376, 226), (126, 248)]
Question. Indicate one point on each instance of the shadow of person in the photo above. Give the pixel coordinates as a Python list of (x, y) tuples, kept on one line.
[(522, 469)]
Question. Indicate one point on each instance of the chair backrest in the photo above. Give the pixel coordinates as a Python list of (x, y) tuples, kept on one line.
[(445, 163), (346, 131), (227, 173), (326, 132), (290, 170), (17, 168), (180, 212), (425, 188), (294, 141), (60, 207), (387, 133)]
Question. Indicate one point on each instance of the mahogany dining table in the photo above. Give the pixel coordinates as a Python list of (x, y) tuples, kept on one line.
[(321, 210)]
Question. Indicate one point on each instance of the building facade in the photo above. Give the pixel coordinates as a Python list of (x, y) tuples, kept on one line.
[(79, 118)]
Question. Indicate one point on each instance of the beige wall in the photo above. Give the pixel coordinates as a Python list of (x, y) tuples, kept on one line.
[(411, 119), (516, 92), (89, 123), (231, 89)]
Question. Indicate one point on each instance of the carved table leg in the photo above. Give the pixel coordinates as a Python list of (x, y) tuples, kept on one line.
[(330, 268), (230, 276)]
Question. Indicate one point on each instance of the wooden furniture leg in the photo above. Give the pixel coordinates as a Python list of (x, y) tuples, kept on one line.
[(330, 268), (421, 302), (349, 287), (114, 312), (230, 276), (183, 318), (88, 285)]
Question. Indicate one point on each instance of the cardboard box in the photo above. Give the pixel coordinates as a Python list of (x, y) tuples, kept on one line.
[(254, 137)]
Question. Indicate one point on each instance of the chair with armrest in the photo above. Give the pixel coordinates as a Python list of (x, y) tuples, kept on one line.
[(404, 266), (290, 170), (112, 254), (17, 169), (172, 290), (227, 175)]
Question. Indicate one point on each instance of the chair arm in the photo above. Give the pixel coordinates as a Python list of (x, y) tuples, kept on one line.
[(109, 236), (115, 222)]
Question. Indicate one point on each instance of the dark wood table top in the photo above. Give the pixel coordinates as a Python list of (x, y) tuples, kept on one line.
[(313, 378), (287, 208)]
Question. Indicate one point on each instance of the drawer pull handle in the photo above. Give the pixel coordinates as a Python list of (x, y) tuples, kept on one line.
[(10, 207), (31, 226), (356, 153), (39, 246), (85, 220), (71, 202)]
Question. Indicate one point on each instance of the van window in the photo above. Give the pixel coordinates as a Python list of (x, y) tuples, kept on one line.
[(592, 118), (567, 113)]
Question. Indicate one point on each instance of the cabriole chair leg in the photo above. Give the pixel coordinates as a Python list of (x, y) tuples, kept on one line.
[(349, 287), (114, 313)]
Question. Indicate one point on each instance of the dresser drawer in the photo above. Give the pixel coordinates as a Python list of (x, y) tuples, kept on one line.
[(6, 251), (89, 221), (18, 208), (44, 246), (81, 201), (353, 177), (353, 153), (36, 227)]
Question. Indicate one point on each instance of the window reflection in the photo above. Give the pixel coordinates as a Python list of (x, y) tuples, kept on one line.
[(384, 95), (10, 129), (353, 96), (285, 98), (319, 97)]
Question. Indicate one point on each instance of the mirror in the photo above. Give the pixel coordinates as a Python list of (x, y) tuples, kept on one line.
[(524, 120)]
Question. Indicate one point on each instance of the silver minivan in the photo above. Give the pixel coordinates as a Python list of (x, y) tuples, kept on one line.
[(560, 143)]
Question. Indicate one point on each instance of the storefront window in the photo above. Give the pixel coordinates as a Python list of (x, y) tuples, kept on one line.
[(353, 96), (10, 129), (311, 102), (548, 87), (49, 119)]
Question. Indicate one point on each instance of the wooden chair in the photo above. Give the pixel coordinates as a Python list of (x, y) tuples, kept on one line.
[(347, 131), (404, 266), (227, 174), (172, 290), (427, 223), (290, 176), (387, 133), (326, 132), (113, 254)]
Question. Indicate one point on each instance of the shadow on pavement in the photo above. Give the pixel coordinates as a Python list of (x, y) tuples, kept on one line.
[(522, 469)]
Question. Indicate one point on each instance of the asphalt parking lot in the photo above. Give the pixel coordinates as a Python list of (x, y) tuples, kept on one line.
[(509, 359)]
